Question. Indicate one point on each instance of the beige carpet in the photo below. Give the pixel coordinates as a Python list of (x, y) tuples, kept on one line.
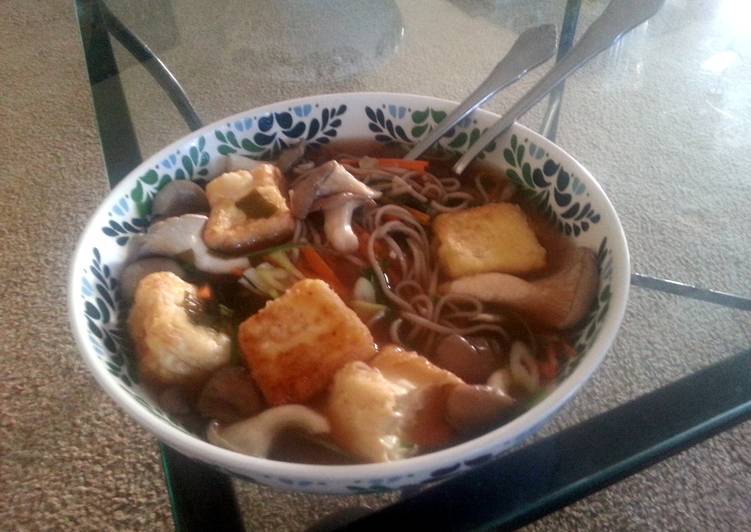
[(70, 460)]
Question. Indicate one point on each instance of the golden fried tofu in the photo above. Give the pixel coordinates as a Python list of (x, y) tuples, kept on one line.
[(248, 210), (492, 238), (383, 411), (362, 410), (171, 348), (296, 343), (409, 368)]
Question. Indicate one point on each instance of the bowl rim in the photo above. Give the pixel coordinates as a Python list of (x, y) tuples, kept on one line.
[(510, 432)]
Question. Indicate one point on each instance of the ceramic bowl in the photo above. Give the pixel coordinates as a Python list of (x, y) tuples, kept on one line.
[(560, 187)]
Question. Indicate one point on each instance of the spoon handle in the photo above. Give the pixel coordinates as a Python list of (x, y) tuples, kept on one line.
[(533, 47), (619, 17)]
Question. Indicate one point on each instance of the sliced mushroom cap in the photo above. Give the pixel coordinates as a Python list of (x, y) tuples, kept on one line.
[(172, 236), (489, 346), (471, 409), (182, 236), (304, 448), (175, 401), (290, 157), (133, 247), (304, 190), (256, 435), (425, 421), (178, 198), (338, 200), (560, 300), (135, 271), (457, 355), (325, 180), (230, 395), (340, 180), (338, 193)]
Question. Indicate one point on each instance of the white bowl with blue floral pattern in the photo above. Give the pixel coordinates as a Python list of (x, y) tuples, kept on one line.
[(560, 187)]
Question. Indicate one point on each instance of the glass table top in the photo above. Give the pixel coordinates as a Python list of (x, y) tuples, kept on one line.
[(662, 120)]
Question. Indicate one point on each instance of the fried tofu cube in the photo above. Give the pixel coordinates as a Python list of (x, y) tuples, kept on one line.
[(381, 412), (248, 210), (172, 350), (410, 369), (362, 410), (491, 238), (296, 343)]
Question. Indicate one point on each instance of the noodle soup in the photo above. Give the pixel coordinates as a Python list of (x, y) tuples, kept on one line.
[(342, 305)]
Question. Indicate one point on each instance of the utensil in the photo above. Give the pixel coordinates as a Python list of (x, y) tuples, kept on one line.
[(619, 17), (532, 48)]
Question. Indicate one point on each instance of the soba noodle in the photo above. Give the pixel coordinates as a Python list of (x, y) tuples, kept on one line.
[(422, 314)]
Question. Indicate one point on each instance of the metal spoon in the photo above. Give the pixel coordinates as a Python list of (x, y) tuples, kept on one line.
[(533, 47), (619, 17)]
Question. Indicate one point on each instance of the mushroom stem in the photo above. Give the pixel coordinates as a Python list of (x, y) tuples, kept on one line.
[(338, 226)]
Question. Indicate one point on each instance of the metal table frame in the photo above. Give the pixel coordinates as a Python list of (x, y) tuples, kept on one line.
[(520, 486)]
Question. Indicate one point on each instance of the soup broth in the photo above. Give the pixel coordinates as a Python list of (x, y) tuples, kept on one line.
[(378, 308)]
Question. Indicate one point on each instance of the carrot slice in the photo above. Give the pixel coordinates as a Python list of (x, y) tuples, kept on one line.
[(381, 252), (362, 240), (301, 265), (421, 217), (205, 293), (323, 271), (549, 367), (363, 237), (417, 166)]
